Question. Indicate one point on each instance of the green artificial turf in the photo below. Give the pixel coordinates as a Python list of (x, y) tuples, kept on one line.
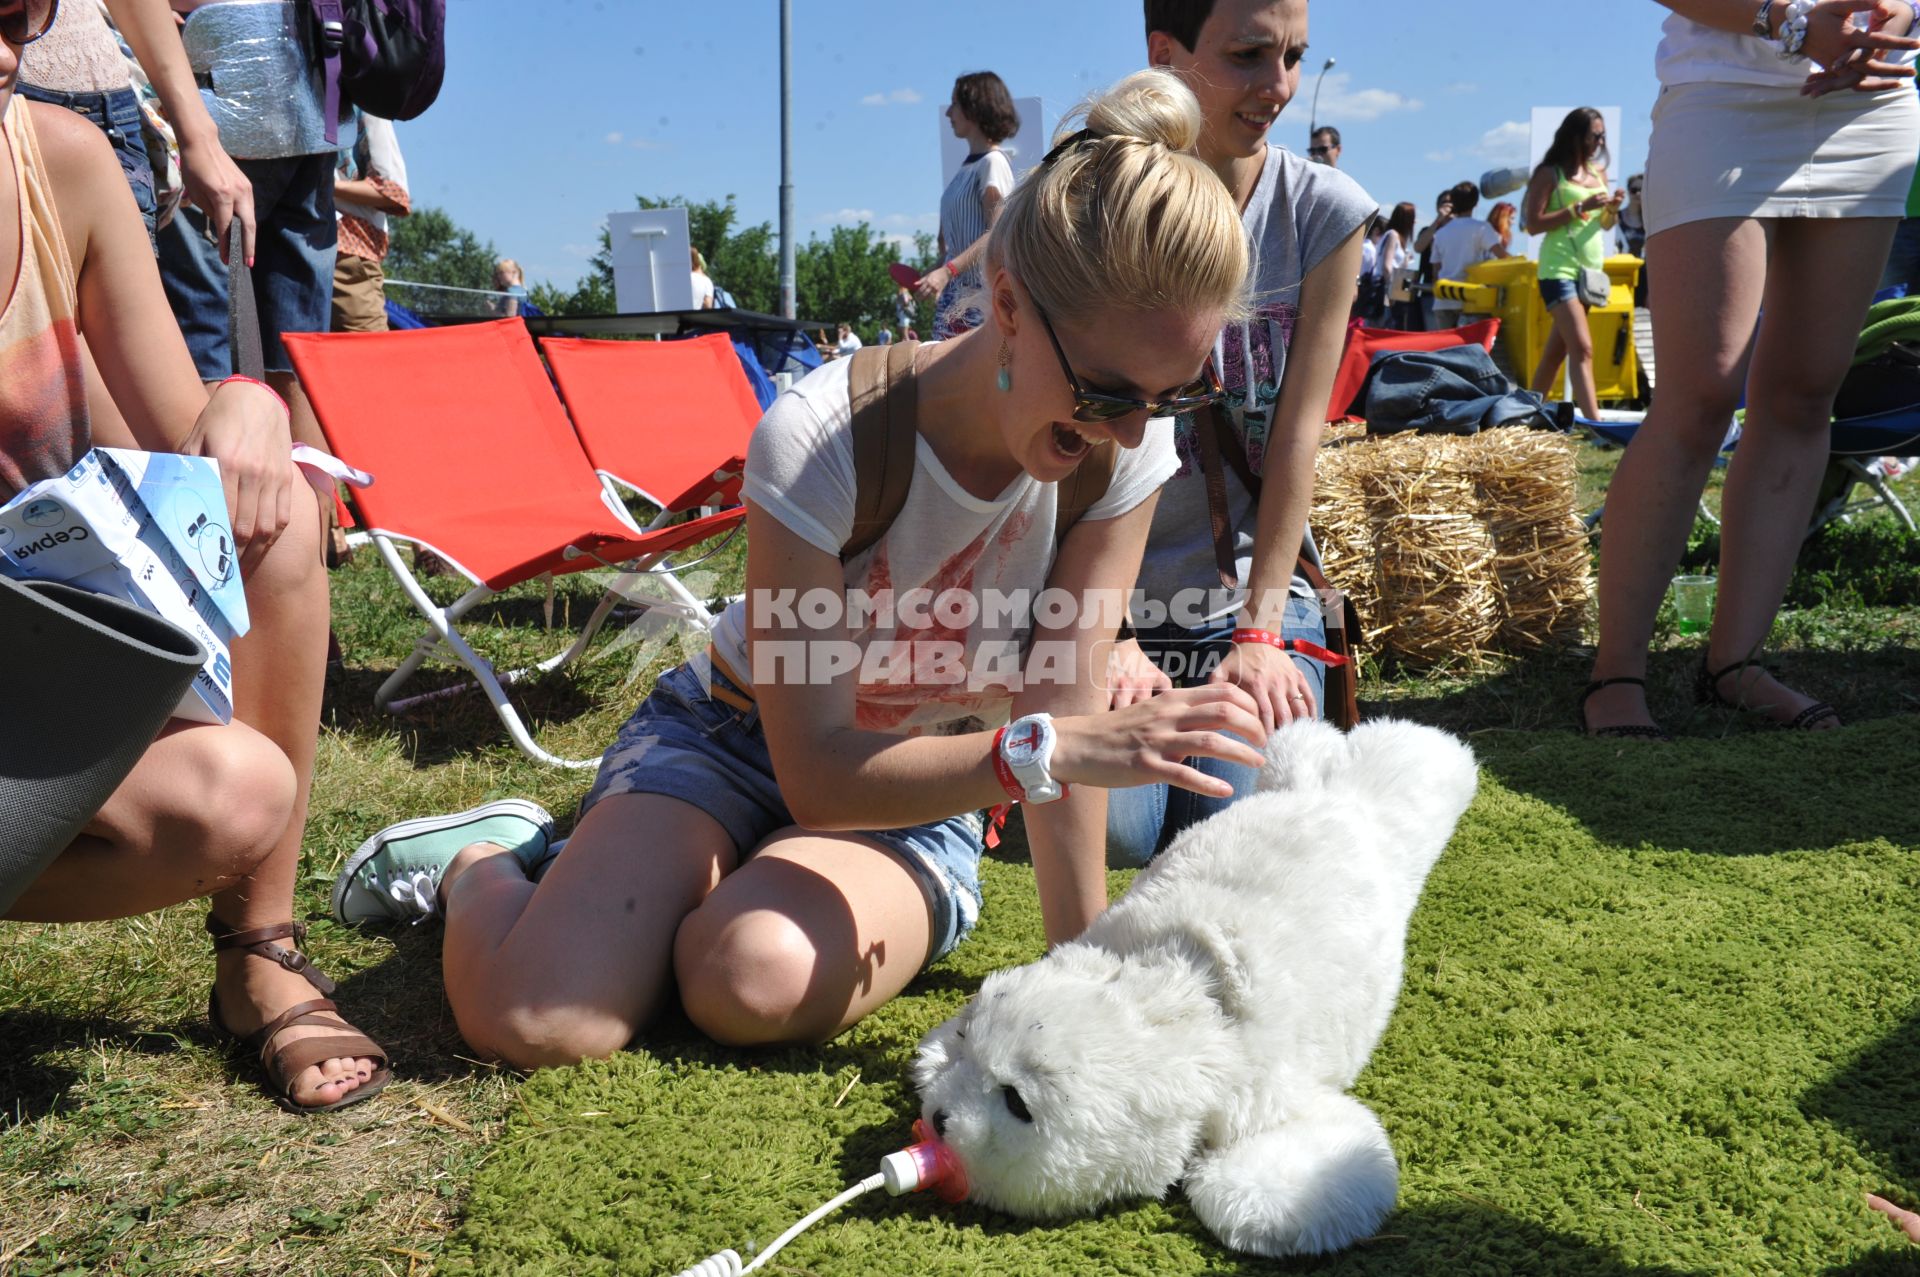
[(1661, 1015)]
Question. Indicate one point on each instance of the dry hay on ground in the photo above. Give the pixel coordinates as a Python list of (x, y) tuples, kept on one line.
[(1456, 549)]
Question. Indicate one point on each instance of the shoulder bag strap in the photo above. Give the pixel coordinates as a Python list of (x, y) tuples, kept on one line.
[(885, 406), (1207, 430)]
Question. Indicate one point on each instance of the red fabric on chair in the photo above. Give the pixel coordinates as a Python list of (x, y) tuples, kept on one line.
[(471, 453), (1364, 343), (660, 417)]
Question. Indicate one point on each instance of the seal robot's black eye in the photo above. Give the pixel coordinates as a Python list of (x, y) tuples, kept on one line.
[(1015, 1105)]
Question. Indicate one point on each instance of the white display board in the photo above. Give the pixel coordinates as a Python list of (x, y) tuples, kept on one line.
[(1024, 149), (652, 260), (1546, 119)]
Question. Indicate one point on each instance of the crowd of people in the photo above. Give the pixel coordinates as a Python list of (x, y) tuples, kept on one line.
[(783, 852)]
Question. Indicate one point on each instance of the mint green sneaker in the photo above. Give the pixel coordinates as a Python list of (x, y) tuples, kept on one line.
[(396, 873)]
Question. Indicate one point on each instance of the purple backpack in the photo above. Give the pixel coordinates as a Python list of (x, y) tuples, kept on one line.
[(386, 57)]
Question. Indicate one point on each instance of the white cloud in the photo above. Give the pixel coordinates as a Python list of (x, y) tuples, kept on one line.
[(1505, 144), (1462, 86), (1340, 103), (894, 97), (912, 221), (618, 138), (1438, 157)]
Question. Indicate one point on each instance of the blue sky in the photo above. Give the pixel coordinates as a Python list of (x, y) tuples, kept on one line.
[(555, 114)]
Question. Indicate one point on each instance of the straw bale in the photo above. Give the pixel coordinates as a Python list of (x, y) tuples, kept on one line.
[(1456, 549)]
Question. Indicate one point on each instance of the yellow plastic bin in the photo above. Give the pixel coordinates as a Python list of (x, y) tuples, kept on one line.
[(1506, 288)]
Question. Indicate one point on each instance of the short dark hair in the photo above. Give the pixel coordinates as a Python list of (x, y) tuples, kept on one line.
[(983, 98), (1181, 19), (1465, 196), (1328, 132)]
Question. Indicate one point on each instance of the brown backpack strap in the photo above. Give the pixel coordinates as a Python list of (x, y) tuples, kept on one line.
[(885, 405), (1217, 442), (1080, 491)]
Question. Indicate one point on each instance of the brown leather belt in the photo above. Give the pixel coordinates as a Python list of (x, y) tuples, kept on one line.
[(740, 699)]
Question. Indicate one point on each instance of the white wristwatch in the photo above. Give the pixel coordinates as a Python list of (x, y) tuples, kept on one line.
[(1023, 751)]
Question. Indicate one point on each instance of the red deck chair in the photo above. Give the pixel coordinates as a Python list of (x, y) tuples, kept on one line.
[(668, 420), (474, 459)]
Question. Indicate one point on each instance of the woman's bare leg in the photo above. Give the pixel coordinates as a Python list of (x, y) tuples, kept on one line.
[(279, 672), (1571, 341), (1821, 278), (570, 969), (1546, 374), (813, 933), (1712, 274), (198, 812)]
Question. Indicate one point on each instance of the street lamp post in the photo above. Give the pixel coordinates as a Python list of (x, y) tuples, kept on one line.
[(1313, 115), (787, 298)]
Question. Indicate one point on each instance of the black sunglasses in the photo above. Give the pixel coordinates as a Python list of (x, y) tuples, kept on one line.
[(1319, 150), (1090, 405), (24, 21)]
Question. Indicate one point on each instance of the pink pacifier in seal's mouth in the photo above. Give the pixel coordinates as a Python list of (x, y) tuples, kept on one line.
[(929, 1162)]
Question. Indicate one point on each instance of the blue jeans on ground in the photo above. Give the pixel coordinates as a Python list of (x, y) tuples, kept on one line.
[(117, 114), (292, 263), (1141, 821)]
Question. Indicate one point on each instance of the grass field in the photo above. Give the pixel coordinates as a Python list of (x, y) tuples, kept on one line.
[(1662, 1015)]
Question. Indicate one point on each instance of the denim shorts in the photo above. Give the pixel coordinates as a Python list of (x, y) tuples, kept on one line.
[(1555, 291), (684, 744), (116, 113), (292, 263)]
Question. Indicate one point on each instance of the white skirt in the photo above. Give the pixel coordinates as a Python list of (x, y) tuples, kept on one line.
[(1744, 150)]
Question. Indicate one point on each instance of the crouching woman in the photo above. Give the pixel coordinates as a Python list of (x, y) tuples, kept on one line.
[(786, 840), (213, 810)]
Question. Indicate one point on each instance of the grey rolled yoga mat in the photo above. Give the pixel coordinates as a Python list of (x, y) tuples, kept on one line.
[(86, 683)]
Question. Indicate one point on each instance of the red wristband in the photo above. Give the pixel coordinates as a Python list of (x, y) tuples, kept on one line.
[(1015, 790), (1300, 646), (255, 381)]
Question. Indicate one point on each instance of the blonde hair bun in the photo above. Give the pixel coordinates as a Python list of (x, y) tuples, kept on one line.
[(1126, 217), (1151, 106)]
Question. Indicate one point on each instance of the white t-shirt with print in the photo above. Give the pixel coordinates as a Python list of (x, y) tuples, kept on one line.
[(928, 665), (1463, 242)]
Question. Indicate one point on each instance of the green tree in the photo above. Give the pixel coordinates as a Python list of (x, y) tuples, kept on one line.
[(431, 248), (843, 279), (842, 276)]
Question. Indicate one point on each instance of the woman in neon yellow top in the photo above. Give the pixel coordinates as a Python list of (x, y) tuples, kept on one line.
[(1567, 201)]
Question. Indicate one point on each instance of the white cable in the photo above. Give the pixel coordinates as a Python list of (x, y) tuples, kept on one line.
[(726, 1263)]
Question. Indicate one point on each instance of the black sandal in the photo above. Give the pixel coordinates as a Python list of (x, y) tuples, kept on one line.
[(1623, 731), (1706, 690), (283, 1066)]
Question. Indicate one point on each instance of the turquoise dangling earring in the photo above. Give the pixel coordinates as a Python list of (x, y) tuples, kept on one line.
[(1005, 378)]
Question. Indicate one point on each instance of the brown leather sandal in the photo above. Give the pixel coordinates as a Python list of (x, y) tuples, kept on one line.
[(282, 1066)]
